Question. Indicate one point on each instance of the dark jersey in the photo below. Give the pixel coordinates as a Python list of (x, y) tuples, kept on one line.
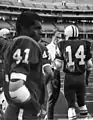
[(45, 54), (24, 56), (75, 54), (3, 46)]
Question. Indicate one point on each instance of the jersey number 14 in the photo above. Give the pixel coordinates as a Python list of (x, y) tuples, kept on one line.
[(78, 55)]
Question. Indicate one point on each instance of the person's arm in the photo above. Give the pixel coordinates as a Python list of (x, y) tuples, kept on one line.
[(87, 76), (46, 68), (88, 70), (58, 62), (89, 64)]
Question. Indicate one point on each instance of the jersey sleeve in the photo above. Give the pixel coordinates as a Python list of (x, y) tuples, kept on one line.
[(25, 54), (45, 54), (59, 54)]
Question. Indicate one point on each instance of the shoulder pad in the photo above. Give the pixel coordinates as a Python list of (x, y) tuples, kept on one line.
[(26, 38)]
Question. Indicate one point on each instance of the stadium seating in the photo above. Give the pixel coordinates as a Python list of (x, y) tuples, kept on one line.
[(6, 2), (50, 4), (36, 0), (27, 3), (16, 3), (51, 1), (59, 5), (84, 1), (58, 0), (82, 7), (4, 24), (90, 7), (12, 24), (69, 1), (60, 26), (48, 1), (48, 27), (85, 27), (39, 5), (72, 6)]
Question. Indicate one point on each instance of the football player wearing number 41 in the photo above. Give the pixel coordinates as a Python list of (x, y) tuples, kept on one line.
[(77, 58), (24, 84)]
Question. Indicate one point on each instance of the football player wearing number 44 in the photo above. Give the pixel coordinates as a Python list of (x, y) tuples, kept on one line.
[(24, 84), (77, 58)]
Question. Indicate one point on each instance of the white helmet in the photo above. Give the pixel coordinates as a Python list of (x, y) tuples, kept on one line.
[(71, 31), (4, 32)]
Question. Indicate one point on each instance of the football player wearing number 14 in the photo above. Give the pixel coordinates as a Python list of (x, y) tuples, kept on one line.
[(24, 84), (77, 57)]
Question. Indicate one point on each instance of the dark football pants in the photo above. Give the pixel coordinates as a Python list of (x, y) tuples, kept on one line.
[(12, 113), (74, 89), (53, 89)]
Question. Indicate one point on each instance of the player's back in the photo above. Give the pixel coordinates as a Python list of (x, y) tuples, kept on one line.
[(75, 53), (24, 57)]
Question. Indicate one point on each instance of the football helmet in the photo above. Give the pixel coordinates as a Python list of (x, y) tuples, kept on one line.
[(4, 32), (71, 31)]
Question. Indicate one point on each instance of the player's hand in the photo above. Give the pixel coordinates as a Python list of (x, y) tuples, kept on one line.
[(58, 34), (48, 73), (47, 70), (58, 64)]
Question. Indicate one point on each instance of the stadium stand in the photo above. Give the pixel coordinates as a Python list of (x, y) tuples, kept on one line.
[(16, 3), (48, 1), (48, 27), (37, 0), (90, 7), (4, 24), (84, 1), (39, 5), (82, 7), (6, 2), (59, 5), (82, 27), (87, 27), (72, 6), (12, 24), (71, 1), (27, 3), (50, 6), (61, 26), (59, 0)]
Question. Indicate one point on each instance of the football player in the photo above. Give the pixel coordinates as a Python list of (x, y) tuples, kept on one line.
[(23, 84), (77, 59), (4, 33)]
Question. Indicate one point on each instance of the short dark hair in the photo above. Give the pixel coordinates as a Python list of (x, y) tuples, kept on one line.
[(26, 19)]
